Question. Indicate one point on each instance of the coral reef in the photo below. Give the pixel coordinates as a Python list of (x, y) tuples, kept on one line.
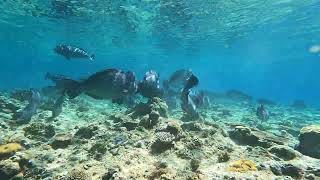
[(163, 141), (39, 131), (86, 132), (153, 105), (108, 141)]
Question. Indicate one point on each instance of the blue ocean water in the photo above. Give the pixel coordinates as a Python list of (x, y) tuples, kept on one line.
[(259, 47)]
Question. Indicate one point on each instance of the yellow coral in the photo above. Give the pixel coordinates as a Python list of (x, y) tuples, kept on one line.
[(9, 148), (242, 166)]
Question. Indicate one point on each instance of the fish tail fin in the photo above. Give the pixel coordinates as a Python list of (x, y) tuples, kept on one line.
[(92, 57)]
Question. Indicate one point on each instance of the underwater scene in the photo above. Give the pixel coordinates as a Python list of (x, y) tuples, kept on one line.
[(159, 90)]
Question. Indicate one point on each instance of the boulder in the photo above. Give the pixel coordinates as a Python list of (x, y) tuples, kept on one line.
[(284, 152), (309, 141), (62, 141), (10, 170), (254, 137), (163, 141)]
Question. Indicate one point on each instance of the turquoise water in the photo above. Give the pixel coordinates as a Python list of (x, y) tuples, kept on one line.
[(259, 47)]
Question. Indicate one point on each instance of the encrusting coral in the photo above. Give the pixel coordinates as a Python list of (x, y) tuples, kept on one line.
[(242, 166), (8, 149)]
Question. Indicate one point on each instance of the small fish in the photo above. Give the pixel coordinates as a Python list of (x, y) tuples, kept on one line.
[(187, 103), (262, 113), (57, 107), (34, 102), (69, 52)]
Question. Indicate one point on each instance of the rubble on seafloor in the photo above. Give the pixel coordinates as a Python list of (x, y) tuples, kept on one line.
[(94, 139)]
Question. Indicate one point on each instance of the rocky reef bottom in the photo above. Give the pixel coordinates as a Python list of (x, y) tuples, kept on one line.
[(98, 140)]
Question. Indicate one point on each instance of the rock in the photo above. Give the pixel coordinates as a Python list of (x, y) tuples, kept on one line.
[(195, 163), (110, 174), (192, 126), (309, 141), (253, 137), (130, 125), (163, 141), (163, 164), (149, 121), (287, 170), (10, 170), (284, 152), (125, 121), (292, 170), (155, 104), (86, 132), (223, 157), (62, 141), (276, 169), (174, 128), (154, 115), (310, 177), (78, 174), (98, 149)]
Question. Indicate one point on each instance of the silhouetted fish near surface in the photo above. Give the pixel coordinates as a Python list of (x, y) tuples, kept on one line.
[(69, 52)]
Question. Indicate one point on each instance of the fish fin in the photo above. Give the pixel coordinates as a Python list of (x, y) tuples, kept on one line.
[(92, 57)]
